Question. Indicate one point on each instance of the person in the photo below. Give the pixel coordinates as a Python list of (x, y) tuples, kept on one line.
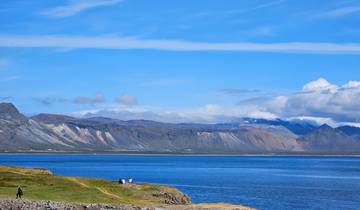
[(19, 193)]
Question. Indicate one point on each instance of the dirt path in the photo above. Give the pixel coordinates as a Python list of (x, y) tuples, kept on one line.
[(98, 188), (78, 182)]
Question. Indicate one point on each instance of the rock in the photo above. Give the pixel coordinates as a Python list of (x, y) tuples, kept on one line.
[(172, 199)]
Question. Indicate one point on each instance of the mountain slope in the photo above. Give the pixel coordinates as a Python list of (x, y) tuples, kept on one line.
[(326, 138), (17, 131), (152, 136), (64, 133), (351, 131)]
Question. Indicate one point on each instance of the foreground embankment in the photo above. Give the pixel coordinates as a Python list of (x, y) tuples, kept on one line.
[(43, 190)]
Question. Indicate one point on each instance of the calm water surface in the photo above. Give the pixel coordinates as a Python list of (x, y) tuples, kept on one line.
[(260, 182)]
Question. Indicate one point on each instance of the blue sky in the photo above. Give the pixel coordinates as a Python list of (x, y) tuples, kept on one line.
[(198, 60)]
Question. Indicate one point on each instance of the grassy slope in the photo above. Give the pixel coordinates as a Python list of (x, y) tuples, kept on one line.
[(40, 184)]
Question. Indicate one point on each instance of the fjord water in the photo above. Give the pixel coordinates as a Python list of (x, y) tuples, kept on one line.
[(260, 182)]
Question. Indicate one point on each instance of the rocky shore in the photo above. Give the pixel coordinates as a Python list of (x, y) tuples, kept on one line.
[(20, 204), (17, 204)]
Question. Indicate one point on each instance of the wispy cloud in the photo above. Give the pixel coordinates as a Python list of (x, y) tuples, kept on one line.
[(10, 78), (257, 7), (76, 6), (3, 62), (339, 12), (126, 100), (5, 98), (49, 100), (99, 98), (239, 92), (115, 42), (268, 4), (165, 82), (261, 31)]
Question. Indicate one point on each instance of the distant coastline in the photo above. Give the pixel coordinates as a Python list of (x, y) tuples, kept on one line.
[(179, 154)]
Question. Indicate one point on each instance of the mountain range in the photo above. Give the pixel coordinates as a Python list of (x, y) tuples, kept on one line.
[(60, 133)]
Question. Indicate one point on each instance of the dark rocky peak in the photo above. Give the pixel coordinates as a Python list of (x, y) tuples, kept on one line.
[(9, 112), (325, 126)]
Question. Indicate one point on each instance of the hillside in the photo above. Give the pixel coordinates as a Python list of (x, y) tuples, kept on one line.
[(326, 138), (40, 184), (43, 190)]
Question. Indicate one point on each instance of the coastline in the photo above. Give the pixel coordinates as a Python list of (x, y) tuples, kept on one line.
[(44, 190), (178, 154), (53, 205), (195, 176)]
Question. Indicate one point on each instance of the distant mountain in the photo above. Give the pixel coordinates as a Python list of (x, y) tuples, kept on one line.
[(17, 132), (298, 128), (141, 135), (351, 131), (326, 138), (46, 132)]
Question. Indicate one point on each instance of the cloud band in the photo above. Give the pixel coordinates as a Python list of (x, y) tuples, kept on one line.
[(116, 42)]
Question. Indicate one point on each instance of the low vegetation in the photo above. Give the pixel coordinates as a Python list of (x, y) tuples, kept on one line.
[(42, 190), (41, 184)]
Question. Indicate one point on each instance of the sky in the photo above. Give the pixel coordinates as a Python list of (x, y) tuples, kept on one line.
[(183, 61)]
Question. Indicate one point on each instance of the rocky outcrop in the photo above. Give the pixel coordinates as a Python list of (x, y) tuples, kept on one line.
[(173, 199)]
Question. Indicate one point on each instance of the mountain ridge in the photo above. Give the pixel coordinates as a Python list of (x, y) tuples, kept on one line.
[(53, 132)]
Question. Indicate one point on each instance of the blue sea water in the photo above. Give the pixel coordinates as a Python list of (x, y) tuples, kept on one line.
[(260, 182)]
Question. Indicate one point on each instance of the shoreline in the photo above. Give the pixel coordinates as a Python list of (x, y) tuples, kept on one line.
[(8, 203), (174, 154), (76, 193)]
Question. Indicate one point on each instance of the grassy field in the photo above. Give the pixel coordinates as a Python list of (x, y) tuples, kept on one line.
[(40, 184)]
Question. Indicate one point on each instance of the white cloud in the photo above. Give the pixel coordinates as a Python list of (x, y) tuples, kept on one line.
[(76, 6), (314, 120), (127, 100), (321, 99), (352, 84), (318, 102), (116, 42), (319, 85)]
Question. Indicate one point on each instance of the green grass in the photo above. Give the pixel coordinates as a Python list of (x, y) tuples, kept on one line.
[(40, 184)]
